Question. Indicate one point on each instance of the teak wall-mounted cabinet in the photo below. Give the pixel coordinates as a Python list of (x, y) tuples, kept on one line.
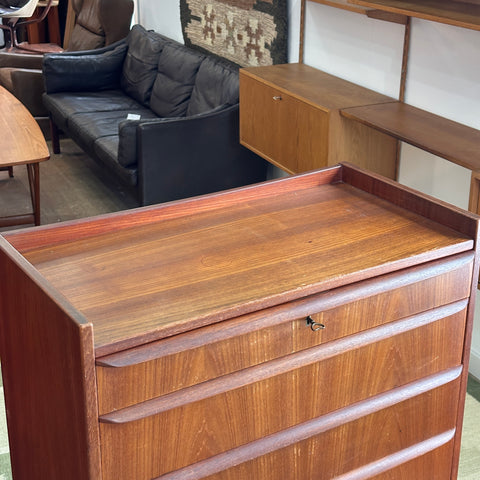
[(300, 118), (308, 327), (290, 115)]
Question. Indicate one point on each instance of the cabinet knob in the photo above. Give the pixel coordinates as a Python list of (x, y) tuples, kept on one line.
[(277, 97), (314, 325)]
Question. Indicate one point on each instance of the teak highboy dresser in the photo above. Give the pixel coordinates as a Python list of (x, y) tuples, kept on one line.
[(313, 327)]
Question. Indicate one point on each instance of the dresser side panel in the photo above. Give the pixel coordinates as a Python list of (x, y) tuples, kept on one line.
[(49, 378)]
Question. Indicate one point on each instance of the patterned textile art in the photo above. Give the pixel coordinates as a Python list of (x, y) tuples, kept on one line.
[(246, 32)]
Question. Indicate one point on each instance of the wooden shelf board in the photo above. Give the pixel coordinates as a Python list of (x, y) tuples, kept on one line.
[(343, 4), (460, 14), (445, 138)]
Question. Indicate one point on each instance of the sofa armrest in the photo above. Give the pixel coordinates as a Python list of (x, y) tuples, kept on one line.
[(89, 70), (27, 86), (127, 133), (20, 60), (181, 158)]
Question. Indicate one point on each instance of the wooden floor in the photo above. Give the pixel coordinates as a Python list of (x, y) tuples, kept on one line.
[(71, 186)]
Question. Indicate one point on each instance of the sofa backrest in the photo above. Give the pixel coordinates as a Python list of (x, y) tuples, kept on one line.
[(174, 80), (141, 63), (216, 84)]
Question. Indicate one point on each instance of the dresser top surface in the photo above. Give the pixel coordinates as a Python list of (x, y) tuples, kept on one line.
[(138, 281)]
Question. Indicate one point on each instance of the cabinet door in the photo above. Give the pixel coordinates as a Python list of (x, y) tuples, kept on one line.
[(284, 130)]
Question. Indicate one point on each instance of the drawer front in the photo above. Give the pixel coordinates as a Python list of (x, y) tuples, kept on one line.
[(166, 366), (288, 132), (361, 449), (194, 424)]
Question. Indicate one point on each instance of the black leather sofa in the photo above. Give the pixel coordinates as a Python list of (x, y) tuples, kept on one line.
[(160, 117)]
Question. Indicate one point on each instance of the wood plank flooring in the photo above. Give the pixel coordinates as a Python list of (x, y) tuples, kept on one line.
[(72, 186)]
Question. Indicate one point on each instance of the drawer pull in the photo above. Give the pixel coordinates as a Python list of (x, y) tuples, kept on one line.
[(314, 325), (277, 97)]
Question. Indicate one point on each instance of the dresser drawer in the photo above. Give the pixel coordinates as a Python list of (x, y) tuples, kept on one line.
[(162, 367), (283, 129), (350, 448), (193, 424)]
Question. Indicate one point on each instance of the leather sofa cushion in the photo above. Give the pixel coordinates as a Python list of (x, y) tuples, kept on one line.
[(177, 69), (63, 105), (127, 133), (140, 65), (216, 84), (99, 71), (93, 125), (84, 102), (105, 149)]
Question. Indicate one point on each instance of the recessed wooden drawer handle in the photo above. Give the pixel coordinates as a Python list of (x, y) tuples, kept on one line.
[(314, 325), (277, 97)]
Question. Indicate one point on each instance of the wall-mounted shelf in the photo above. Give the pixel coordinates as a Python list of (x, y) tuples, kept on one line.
[(377, 13), (445, 138), (343, 4), (452, 12)]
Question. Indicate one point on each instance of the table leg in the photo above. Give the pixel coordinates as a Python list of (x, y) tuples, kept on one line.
[(10, 171), (33, 171)]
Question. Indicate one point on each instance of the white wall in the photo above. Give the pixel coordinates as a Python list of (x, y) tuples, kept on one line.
[(443, 77), (164, 19)]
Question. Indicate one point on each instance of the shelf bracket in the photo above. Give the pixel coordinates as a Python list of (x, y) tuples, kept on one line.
[(387, 16)]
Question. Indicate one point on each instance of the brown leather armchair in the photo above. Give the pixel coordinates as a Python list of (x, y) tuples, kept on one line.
[(99, 23)]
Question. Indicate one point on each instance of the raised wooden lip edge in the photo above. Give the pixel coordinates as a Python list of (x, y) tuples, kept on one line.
[(443, 213), (54, 234), (33, 238)]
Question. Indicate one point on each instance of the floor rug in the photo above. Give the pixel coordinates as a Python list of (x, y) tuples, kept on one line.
[(246, 32)]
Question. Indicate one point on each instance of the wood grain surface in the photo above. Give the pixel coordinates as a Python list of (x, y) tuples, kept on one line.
[(464, 14), (448, 139), (145, 282), (171, 342), (22, 140)]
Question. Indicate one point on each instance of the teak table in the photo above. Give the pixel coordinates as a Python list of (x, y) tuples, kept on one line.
[(313, 327), (22, 143)]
